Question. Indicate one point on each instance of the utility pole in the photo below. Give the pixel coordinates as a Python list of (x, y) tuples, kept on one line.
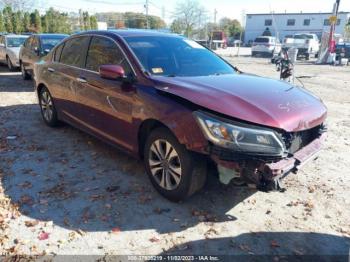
[(146, 7)]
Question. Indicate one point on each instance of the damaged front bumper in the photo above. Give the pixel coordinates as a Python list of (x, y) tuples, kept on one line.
[(267, 175)]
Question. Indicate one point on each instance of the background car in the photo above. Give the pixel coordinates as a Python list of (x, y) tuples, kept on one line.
[(266, 45), (9, 49), (34, 48)]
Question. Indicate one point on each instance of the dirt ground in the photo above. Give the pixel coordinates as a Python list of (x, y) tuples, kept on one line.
[(64, 192)]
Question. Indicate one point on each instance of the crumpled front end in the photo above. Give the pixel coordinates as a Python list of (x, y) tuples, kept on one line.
[(266, 173)]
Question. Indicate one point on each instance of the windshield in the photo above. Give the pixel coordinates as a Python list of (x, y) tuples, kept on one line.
[(15, 41), (176, 56), (49, 43), (262, 40), (303, 37)]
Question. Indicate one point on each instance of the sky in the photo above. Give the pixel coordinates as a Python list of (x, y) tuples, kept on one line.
[(225, 8)]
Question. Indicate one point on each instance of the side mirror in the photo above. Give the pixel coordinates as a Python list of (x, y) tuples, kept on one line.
[(113, 72), (36, 50)]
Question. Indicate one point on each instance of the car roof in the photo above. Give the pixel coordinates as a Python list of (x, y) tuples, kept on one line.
[(43, 35), (130, 33), (16, 36)]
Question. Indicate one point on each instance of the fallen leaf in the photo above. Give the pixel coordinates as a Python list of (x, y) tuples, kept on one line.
[(43, 236), (31, 223), (274, 244), (154, 239), (116, 230)]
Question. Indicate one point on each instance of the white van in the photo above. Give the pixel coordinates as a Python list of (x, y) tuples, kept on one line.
[(266, 45)]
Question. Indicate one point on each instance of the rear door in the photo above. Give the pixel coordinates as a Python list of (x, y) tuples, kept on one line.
[(64, 71), (108, 104)]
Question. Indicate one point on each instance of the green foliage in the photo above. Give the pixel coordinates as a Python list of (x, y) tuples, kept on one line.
[(52, 21), (93, 22), (7, 15), (86, 21), (26, 22), (2, 24), (131, 20), (231, 27)]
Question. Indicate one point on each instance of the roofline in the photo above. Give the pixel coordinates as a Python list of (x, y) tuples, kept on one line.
[(299, 13)]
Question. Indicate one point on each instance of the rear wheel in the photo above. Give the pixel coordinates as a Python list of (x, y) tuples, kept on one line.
[(25, 75), (47, 106), (174, 171)]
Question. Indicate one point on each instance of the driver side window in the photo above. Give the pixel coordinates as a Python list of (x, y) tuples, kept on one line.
[(104, 51)]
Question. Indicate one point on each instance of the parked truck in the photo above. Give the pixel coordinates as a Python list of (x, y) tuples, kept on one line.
[(307, 44)]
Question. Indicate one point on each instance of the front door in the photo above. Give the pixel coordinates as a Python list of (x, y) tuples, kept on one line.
[(107, 104)]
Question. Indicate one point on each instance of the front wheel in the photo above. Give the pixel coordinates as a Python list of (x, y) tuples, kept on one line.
[(25, 75), (47, 106), (174, 171), (9, 64)]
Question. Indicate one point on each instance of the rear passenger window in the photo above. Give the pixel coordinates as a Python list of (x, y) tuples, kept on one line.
[(104, 51), (74, 51), (58, 53)]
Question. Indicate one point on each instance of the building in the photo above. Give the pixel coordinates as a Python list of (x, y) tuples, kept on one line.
[(292, 23)]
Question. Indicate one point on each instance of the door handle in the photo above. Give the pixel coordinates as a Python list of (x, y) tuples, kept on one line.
[(51, 70), (81, 80)]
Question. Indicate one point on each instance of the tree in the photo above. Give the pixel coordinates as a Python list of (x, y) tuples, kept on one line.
[(17, 22), (7, 16), (155, 22), (189, 15), (93, 22), (2, 24), (26, 22), (17, 4), (177, 26), (35, 20), (231, 27), (86, 21)]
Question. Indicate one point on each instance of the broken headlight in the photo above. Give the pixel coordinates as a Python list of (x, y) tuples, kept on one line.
[(240, 137)]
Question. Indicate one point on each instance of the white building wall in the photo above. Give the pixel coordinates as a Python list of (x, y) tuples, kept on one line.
[(255, 24)]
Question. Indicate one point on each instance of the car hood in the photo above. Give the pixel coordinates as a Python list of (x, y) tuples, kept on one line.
[(250, 98)]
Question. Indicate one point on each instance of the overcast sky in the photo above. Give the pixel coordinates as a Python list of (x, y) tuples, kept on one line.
[(228, 8)]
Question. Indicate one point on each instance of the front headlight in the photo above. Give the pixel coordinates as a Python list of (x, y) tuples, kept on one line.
[(239, 137)]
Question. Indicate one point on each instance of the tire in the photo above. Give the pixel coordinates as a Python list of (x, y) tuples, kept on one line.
[(9, 64), (47, 108), (253, 54), (25, 75), (178, 175), (307, 57)]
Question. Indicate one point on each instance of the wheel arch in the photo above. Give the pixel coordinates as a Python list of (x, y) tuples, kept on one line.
[(39, 88), (146, 127)]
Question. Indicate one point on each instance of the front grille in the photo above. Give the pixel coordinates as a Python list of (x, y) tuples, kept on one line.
[(297, 140)]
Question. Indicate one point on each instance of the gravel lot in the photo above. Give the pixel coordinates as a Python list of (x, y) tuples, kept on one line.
[(64, 192)]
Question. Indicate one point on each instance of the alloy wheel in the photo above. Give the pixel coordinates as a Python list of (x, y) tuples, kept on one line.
[(165, 164), (46, 105)]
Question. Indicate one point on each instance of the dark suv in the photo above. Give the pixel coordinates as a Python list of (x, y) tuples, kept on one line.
[(34, 48), (180, 107)]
